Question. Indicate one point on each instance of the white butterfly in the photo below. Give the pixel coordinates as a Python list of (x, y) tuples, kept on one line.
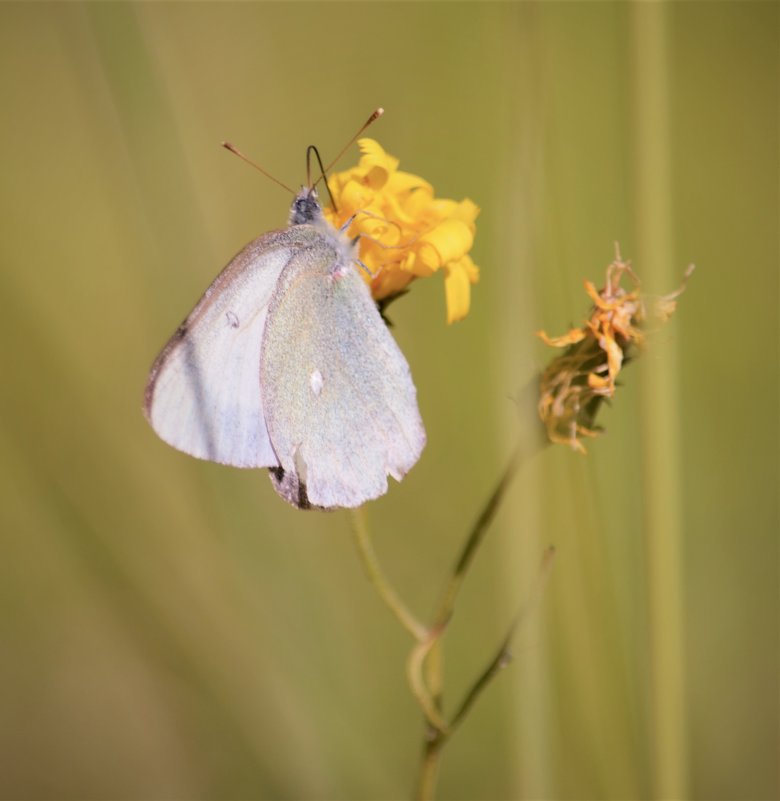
[(286, 363)]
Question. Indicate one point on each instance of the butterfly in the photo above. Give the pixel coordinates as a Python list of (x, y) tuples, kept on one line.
[(285, 363)]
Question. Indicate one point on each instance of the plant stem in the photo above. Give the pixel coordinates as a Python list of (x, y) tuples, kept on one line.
[(503, 655), (429, 768), (474, 540), (380, 582), (425, 664), (429, 701), (433, 667)]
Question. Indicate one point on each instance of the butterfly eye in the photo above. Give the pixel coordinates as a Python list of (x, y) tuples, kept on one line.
[(305, 208)]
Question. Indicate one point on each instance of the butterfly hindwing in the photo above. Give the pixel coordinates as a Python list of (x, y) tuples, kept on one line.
[(340, 405)]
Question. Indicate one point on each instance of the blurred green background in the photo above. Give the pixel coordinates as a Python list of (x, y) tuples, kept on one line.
[(169, 628)]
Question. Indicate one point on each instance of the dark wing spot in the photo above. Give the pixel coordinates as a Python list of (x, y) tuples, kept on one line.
[(290, 488), (232, 319)]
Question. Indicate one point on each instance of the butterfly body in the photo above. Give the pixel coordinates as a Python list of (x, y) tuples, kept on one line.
[(286, 363)]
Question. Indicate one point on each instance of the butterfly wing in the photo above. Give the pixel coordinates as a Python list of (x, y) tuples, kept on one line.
[(340, 404), (203, 395)]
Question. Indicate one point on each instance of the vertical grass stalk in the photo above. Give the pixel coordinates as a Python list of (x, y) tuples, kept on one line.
[(660, 434)]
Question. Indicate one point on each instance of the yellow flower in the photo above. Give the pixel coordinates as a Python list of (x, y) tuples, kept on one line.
[(405, 232), (575, 383)]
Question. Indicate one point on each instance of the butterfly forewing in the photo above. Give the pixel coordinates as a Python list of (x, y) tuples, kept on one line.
[(203, 395)]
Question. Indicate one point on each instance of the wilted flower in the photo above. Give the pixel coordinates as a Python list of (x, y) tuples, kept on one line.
[(405, 231), (576, 382)]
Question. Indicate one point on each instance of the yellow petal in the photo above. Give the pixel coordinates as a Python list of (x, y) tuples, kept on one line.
[(574, 336), (468, 211), (465, 210), (377, 227), (598, 382), (405, 210), (389, 282), (377, 164), (418, 203), (471, 269), (614, 354), (423, 262), (354, 196), (450, 240), (457, 291), (400, 182), (374, 154)]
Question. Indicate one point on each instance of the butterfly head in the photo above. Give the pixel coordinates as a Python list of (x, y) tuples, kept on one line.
[(305, 208)]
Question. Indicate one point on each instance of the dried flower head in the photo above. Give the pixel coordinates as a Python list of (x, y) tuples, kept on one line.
[(576, 382), (405, 231)]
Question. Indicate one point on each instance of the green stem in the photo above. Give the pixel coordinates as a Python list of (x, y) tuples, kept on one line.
[(425, 665), (429, 701), (433, 665), (434, 672), (429, 767), (477, 534), (438, 735), (380, 582), (503, 656)]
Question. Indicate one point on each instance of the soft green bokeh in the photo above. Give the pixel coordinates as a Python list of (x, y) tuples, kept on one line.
[(168, 627)]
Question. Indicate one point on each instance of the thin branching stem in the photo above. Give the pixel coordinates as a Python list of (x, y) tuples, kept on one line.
[(380, 582), (503, 655), (425, 663), (476, 535), (428, 701), (431, 670), (429, 767)]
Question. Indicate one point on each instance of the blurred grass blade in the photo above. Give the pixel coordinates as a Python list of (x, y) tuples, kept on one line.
[(660, 407)]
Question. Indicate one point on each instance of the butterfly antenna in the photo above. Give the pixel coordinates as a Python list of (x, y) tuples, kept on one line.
[(324, 170), (309, 150), (233, 149), (373, 118)]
